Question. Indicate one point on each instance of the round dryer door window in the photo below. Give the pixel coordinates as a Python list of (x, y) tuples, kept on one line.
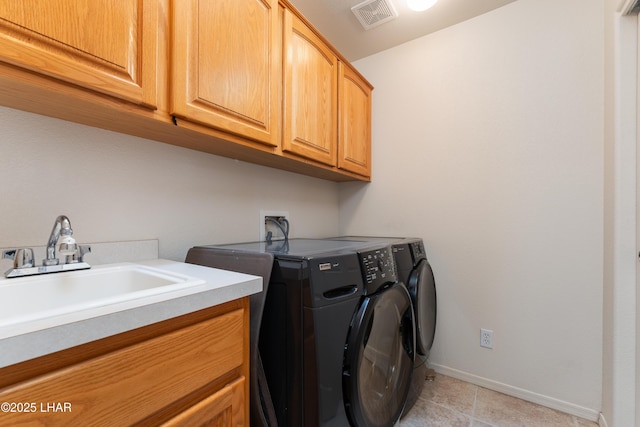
[(379, 358), (422, 287)]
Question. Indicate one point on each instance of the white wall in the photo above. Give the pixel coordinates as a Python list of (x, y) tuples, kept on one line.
[(488, 144), (116, 187), (620, 388)]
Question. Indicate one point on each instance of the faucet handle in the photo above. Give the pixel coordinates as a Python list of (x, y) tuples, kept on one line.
[(78, 256), (82, 250), (9, 254), (22, 258)]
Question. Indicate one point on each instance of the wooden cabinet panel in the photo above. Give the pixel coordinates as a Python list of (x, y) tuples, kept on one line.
[(310, 95), (225, 66), (222, 409), (126, 386), (246, 79), (354, 137), (107, 46)]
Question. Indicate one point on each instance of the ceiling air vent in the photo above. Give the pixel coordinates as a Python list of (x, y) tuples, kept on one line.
[(372, 13)]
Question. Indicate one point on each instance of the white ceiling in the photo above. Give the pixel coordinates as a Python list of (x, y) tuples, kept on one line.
[(339, 25)]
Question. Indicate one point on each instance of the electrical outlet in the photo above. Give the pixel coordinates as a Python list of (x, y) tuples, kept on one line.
[(486, 338), (269, 226)]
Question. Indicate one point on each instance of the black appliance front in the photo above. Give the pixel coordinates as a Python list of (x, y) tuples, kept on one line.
[(416, 272), (257, 264), (337, 345), (304, 329), (379, 358)]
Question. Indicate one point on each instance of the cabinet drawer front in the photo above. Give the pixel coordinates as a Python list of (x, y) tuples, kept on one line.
[(126, 386), (96, 44), (223, 409)]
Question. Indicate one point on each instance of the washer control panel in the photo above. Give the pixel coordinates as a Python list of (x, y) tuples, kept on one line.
[(378, 267)]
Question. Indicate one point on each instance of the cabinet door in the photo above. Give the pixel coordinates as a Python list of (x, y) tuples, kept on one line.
[(354, 137), (223, 409), (128, 385), (225, 67), (310, 95), (106, 46)]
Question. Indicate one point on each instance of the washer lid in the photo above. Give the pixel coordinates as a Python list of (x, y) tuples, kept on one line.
[(422, 287)]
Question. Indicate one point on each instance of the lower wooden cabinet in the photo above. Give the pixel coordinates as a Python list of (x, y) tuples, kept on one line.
[(158, 375), (223, 409)]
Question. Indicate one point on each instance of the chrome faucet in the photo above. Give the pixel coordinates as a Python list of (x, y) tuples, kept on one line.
[(61, 236), (61, 231)]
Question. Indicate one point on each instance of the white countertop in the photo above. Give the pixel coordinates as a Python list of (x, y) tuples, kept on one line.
[(217, 287)]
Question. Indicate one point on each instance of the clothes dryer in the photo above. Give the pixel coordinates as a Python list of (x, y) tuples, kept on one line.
[(415, 271)]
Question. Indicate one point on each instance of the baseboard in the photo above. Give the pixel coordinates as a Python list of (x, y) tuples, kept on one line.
[(550, 402), (602, 422)]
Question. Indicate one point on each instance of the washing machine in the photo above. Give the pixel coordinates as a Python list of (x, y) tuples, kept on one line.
[(414, 270), (336, 340), (380, 350)]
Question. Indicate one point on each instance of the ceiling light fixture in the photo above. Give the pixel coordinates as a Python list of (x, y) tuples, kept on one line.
[(420, 5)]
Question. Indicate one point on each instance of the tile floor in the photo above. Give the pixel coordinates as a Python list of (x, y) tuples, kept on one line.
[(449, 402)]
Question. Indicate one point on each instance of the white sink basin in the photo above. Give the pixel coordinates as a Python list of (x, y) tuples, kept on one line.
[(41, 315), (37, 302)]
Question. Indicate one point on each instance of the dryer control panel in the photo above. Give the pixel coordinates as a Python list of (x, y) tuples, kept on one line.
[(378, 268), (417, 249)]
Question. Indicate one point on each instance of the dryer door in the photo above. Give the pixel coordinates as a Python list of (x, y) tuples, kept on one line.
[(379, 358), (422, 287)]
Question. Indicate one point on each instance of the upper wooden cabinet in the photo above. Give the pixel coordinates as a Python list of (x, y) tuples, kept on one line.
[(96, 44), (310, 94), (247, 79), (354, 136), (225, 66)]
